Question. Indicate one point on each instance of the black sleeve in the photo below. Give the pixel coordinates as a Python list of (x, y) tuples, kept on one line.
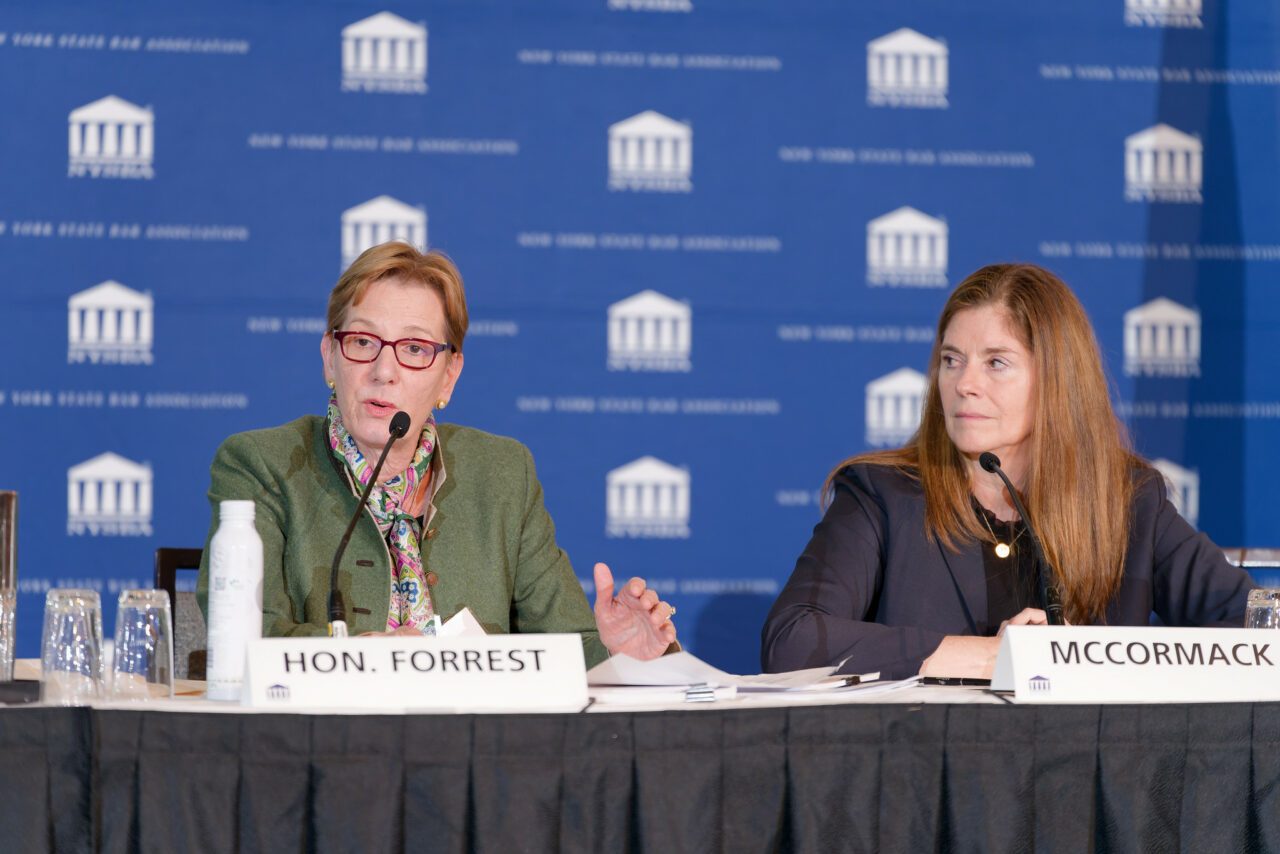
[(824, 614), (1194, 585)]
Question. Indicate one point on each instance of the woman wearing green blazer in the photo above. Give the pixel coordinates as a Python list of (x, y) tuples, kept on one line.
[(457, 517)]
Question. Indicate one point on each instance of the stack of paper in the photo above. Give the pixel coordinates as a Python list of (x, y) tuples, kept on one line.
[(683, 677)]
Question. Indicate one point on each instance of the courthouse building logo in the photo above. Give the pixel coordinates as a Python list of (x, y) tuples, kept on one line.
[(1163, 164), (906, 69), (1163, 13), (111, 138), (1184, 488), (906, 248), (650, 153), (379, 220), (384, 53), (894, 402), (1162, 339), (647, 498), (109, 324), (650, 332), (109, 496)]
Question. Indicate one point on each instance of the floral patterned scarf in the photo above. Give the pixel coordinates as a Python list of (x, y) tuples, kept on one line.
[(410, 599)]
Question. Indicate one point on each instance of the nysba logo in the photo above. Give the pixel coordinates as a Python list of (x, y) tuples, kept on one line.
[(109, 324), (906, 248), (650, 153), (384, 53), (379, 220), (647, 498), (651, 5), (894, 402), (650, 332), (111, 138), (1163, 164), (1039, 685), (906, 69), (1163, 13), (1162, 339), (1184, 488), (109, 496)]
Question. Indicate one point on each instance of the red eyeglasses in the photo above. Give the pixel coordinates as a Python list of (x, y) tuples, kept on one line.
[(416, 354)]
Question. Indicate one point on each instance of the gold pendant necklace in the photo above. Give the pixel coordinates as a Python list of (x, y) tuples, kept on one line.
[(1003, 550)]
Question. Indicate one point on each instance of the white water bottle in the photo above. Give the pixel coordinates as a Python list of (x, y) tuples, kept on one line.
[(235, 598)]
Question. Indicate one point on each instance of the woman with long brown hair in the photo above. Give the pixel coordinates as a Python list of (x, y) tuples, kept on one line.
[(921, 558)]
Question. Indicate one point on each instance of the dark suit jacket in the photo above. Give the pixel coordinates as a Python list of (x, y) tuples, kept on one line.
[(871, 587)]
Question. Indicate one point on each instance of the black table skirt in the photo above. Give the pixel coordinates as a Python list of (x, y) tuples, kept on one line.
[(834, 778)]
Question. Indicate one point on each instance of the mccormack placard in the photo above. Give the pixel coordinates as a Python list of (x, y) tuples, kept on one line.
[(504, 673), (1085, 664)]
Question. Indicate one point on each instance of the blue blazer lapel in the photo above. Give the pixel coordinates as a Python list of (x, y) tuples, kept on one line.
[(970, 579)]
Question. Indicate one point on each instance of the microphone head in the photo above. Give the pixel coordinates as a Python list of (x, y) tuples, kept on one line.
[(989, 461), (399, 424)]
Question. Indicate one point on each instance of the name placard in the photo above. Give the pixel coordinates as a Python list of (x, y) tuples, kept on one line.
[(1086, 664), (492, 673)]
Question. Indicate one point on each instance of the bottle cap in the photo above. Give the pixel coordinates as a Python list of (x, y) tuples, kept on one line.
[(235, 510)]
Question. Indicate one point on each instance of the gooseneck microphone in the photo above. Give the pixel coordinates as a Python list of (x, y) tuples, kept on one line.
[(338, 606), (1048, 591)]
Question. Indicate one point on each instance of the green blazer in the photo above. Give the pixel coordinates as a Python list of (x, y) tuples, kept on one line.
[(490, 545)]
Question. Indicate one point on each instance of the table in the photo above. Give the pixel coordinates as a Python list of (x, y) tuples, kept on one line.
[(900, 774)]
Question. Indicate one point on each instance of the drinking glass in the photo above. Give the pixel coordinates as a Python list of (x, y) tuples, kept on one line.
[(143, 663), (8, 612), (1263, 609), (71, 648)]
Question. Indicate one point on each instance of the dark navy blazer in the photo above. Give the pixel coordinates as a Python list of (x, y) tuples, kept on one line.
[(871, 587)]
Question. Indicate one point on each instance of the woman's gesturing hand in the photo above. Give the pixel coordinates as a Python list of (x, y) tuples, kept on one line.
[(634, 621)]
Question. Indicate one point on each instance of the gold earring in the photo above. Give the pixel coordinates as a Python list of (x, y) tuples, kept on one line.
[(331, 384), (441, 403)]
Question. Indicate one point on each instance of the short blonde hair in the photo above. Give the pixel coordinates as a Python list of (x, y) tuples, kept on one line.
[(399, 260)]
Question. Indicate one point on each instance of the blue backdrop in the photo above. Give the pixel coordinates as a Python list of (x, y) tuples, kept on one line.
[(704, 242)]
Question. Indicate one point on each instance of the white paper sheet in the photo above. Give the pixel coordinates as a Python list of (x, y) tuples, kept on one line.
[(684, 669), (656, 696), (462, 625)]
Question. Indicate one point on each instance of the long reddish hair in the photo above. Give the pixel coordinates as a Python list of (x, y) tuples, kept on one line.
[(1080, 478)]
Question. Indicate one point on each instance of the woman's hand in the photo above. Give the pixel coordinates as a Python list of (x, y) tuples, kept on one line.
[(975, 657), (1025, 617), (634, 621), (399, 631), (965, 656)]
